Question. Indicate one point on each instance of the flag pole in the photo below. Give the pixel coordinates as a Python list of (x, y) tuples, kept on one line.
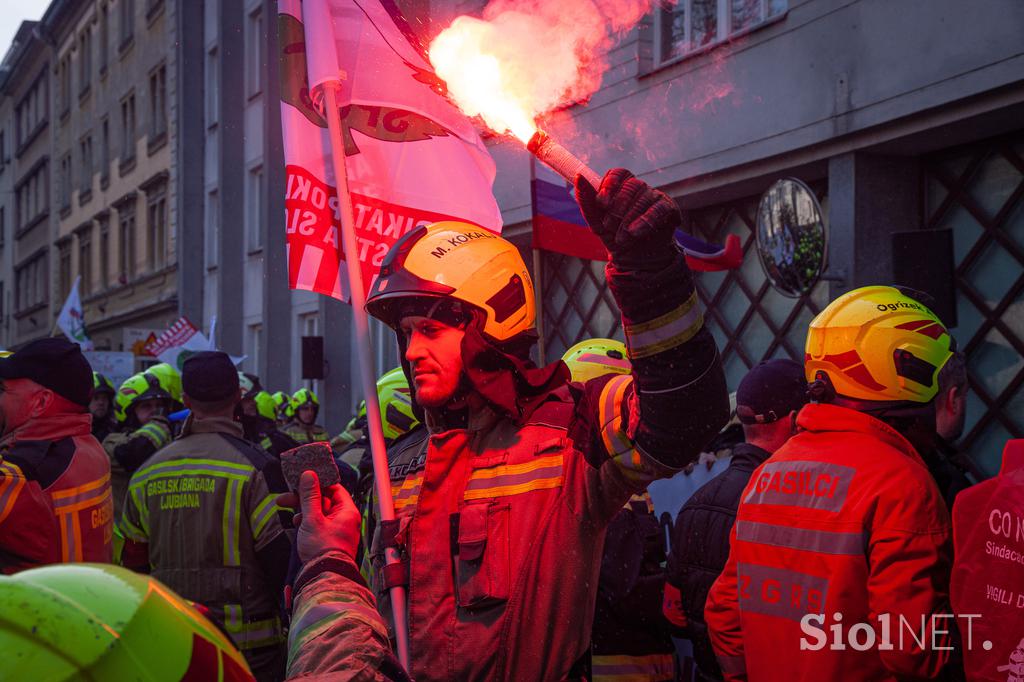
[(382, 479), (538, 274)]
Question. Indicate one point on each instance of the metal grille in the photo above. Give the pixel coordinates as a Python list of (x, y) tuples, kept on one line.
[(750, 320), (978, 192), (577, 304)]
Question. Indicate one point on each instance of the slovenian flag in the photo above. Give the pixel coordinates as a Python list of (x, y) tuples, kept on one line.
[(706, 257), (559, 226)]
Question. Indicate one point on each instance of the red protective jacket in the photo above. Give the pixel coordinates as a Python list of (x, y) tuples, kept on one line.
[(59, 455), (846, 519), (988, 575)]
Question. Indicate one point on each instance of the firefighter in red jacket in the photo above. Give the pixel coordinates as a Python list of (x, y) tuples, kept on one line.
[(504, 498), (840, 555), (55, 502)]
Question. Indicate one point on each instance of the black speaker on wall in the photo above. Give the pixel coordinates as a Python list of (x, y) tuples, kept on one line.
[(924, 260), (312, 357)]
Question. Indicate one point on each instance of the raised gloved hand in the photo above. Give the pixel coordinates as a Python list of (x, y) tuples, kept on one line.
[(329, 521), (634, 220), (157, 431)]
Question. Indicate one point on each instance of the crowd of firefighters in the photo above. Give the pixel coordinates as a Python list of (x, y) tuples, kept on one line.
[(148, 531)]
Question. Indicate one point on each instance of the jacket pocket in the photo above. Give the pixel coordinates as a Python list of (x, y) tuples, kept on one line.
[(482, 564)]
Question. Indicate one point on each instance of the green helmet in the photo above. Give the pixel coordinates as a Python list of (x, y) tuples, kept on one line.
[(395, 403), (266, 405), (170, 379), (303, 397), (136, 388), (101, 384), (593, 358), (104, 622)]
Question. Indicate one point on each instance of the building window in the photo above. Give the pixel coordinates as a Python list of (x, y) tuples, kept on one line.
[(686, 26), (212, 94), (85, 259), (255, 332), (127, 22), (3, 150), (64, 85), (64, 184), (158, 104), (104, 149), (31, 198), (64, 272), (156, 221), (254, 209), (128, 128), (254, 54), (104, 251), (87, 168), (30, 112), (30, 284), (212, 232), (104, 38), (126, 242), (84, 61), (3, 226)]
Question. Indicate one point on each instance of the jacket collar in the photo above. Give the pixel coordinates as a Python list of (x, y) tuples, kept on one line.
[(54, 427), (749, 456), (478, 415), (211, 425), (823, 417)]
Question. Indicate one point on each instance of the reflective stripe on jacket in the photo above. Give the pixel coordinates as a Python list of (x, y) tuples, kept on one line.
[(203, 506), (303, 434), (846, 519), (60, 454)]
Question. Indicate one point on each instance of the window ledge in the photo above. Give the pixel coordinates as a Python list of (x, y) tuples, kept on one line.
[(84, 196), (65, 210), (32, 309), (156, 8), (103, 72), (24, 229), (83, 94), (125, 46), (30, 138), (65, 114), (126, 166), (156, 143), (104, 181)]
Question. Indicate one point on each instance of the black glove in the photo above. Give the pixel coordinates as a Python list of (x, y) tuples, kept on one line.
[(634, 220)]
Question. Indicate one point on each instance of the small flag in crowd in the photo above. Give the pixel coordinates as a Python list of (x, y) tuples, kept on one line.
[(72, 318), (411, 156), (181, 341)]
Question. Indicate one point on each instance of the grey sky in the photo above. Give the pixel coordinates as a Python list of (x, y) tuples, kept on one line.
[(12, 13)]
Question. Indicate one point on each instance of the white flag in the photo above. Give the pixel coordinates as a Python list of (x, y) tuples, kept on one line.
[(412, 157), (72, 319)]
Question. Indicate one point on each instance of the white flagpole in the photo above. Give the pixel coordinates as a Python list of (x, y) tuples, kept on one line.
[(382, 478)]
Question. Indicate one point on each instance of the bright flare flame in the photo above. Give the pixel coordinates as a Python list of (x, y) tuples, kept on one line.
[(476, 80), (526, 58)]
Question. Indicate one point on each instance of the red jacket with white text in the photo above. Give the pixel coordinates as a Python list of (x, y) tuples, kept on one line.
[(843, 519), (59, 455)]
